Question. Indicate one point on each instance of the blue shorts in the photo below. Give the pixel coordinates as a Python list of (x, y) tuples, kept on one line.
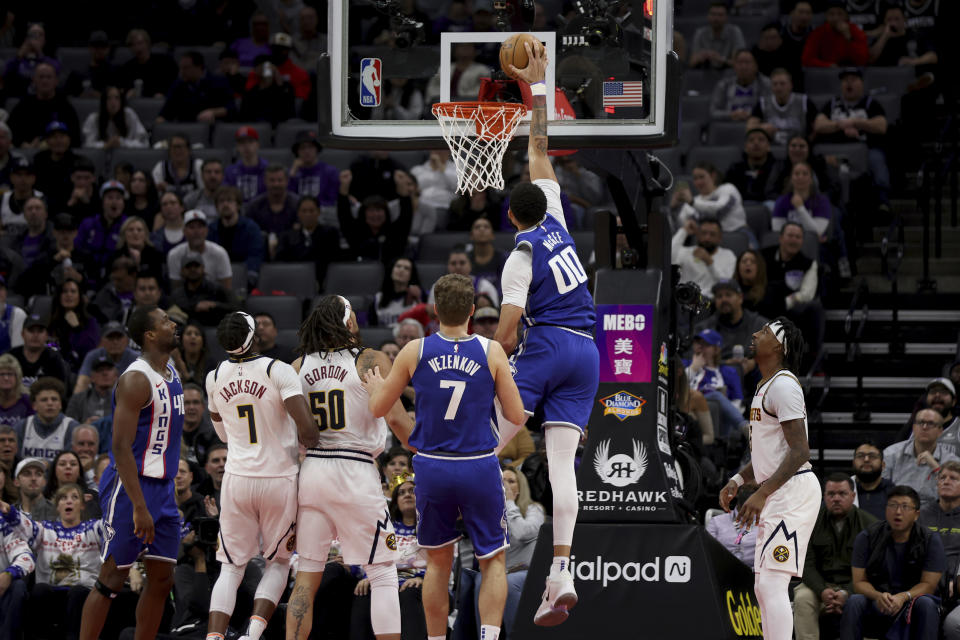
[(120, 541), (448, 488), (557, 371)]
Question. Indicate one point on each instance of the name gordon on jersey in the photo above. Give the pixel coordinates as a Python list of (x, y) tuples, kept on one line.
[(333, 371), (235, 387), (439, 363)]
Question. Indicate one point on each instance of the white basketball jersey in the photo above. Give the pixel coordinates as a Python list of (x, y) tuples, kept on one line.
[(339, 402), (777, 400), (248, 393)]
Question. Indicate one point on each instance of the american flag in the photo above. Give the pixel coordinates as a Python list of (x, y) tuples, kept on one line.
[(623, 94)]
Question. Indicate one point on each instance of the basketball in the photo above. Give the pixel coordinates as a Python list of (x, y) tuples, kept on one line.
[(513, 52)]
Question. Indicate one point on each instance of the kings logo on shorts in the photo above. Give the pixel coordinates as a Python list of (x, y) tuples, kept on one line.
[(620, 469), (623, 405)]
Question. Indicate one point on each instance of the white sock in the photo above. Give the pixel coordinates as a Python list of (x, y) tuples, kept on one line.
[(489, 632), (256, 628), (561, 449), (443, 637), (560, 563)]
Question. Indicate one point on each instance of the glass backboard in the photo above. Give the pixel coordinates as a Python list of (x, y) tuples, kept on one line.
[(612, 81)]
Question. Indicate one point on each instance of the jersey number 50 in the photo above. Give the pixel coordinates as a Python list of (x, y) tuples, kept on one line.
[(327, 408), (567, 270)]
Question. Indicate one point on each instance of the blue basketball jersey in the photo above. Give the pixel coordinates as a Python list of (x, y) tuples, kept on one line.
[(558, 291), (156, 447), (455, 391)]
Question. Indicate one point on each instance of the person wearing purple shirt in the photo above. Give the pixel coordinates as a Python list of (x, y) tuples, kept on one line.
[(19, 71), (36, 241), (98, 235), (308, 175), (247, 49), (247, 174), (14, 401), (802, 204)]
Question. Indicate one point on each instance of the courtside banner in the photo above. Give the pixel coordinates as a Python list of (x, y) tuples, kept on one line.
[(624, 338), (650, 581)]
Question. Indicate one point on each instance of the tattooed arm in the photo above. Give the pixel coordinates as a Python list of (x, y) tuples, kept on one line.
[(397, 418), (536, 71)]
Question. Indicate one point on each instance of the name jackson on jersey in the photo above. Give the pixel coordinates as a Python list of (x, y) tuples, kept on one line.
[(235, 387), (442, 362)]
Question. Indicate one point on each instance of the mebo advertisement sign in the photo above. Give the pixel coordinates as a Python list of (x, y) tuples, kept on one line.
[(624, 338), (643, 581)]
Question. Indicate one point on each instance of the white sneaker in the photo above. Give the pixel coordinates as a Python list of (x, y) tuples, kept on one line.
[(558, 598)]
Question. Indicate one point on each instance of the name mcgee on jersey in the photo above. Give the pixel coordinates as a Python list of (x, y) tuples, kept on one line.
[(235, 387), (552, 240), (442, 362)]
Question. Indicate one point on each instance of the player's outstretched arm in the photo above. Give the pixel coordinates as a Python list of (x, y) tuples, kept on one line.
[(506, 335), (133, 393), (307, 431), (535, 72), (397, 419), (384, 392), (507, 391)]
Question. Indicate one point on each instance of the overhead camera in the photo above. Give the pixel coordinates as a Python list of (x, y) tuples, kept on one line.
[(407, 32), (594, 24)]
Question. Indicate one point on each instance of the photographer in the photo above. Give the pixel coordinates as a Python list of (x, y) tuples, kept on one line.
[(270, 98)]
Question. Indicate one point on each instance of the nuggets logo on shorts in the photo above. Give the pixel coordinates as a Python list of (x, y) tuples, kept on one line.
[(291, 543), (391, 542), (781, 553)]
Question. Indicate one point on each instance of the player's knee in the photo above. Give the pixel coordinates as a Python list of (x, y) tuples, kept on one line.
[(274, 580), (382, 576), (113, 577)]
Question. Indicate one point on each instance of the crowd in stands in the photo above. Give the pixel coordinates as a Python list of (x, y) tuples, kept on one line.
[(162, 171)]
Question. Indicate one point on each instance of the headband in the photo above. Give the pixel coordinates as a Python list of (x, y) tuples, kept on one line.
[(346, 309), (779, 333), (251, 333)]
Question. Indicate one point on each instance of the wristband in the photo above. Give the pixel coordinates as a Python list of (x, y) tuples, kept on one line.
[(909, 596), (538, 89), (738, 479)]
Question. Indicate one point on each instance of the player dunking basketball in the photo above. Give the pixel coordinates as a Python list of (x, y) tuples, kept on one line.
[(455, 376), (786, 505), (556, 364), (258, 409), (340, 493), (140, 515)]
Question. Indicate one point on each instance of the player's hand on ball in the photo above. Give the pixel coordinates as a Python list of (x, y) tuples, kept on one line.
[(727, 494), (749, 513), (143, 524), (536, 69)]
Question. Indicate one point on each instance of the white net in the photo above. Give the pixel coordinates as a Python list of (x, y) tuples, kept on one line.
[(478, 134)]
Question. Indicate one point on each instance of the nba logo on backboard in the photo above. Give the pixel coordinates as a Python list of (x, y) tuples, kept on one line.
[(370, 82)]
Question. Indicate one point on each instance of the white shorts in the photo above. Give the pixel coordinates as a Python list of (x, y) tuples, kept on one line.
[(257, 515), (786, 523), (341, 498)]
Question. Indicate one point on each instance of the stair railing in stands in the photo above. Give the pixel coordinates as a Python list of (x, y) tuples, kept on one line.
[(860, 302), (940, 159), (815, 417)]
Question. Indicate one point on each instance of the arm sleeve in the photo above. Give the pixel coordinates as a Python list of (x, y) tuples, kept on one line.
[(16, 327), (288, 383), (811, 50), (551, 189), (808, 288), (137, 136), (516, 278), (784, 399), (676, 244), (724, 264), (22, 561), (718, 206)]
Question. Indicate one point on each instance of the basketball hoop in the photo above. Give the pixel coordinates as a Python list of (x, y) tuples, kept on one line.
[(477, 134)]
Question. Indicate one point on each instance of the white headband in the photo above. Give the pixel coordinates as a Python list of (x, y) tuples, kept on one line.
[(346, 309), (251, 333), (778, 332)]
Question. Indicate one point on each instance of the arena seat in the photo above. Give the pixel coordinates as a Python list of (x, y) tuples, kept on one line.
[(854, 152), (293, 278), (288, 339), (97, 156), (888, 80), (219, 154), (689, 137), (147, 109), (700, 82), (73, 59), (736, 241), (506, 240), (213, 345), (435, 247), (286, 133), (286, 310), (142, 159), (429, 273), (277, 156), (410, 159), (750, 26), (373, 337), (353, 278), (816, 80), (726, 133), (224, 132), (339, 158), (196, 132), (891, 105), (670, 157), (695, 109), (758, 219), (238, 278), (720, 157), (211, 55), (584, 241), (84, 107)]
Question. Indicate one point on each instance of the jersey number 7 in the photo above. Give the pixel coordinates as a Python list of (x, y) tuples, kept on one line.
[(458, 387)]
